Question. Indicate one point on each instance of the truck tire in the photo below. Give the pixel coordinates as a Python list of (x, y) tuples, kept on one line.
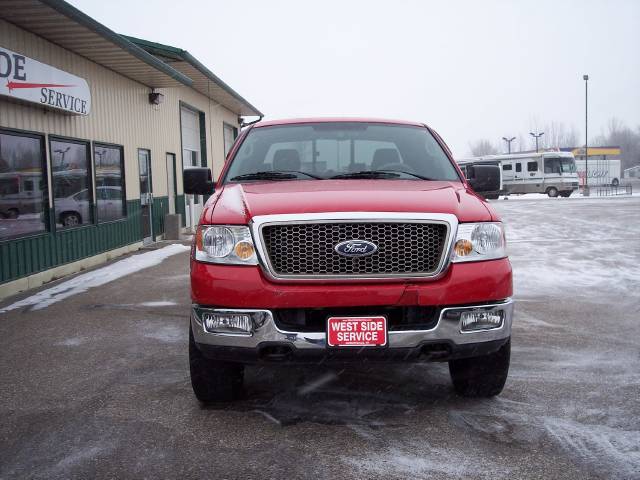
[(213, 381), (552, 192), (615, 182), (483, 376)]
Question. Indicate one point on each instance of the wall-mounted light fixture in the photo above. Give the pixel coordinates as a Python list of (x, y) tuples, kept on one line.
[(155, 98)]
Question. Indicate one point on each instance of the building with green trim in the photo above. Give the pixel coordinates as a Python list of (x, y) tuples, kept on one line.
[(95, 130)]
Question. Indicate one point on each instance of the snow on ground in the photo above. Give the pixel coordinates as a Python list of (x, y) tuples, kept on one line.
[(553, 246), (96, 278)]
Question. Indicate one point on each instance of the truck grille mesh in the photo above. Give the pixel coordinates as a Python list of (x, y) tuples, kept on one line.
[(308, 249)]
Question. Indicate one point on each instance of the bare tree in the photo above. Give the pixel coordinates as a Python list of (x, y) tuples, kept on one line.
[(559, 136), (618, 134), (556, 135), (483, 147)]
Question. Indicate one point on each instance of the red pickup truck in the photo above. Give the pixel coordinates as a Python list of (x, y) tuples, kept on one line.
[(347, 240)]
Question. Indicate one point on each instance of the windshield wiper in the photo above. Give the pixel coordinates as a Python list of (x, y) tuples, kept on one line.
[(273, 175), (264, 176), (368, 174), (301, 172), (380, 174), (421, 177)]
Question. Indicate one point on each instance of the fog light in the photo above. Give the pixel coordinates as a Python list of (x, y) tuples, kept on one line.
[(234, 323), (473, 320)]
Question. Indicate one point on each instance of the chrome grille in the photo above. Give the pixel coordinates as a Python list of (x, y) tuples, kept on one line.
[(404, 248)]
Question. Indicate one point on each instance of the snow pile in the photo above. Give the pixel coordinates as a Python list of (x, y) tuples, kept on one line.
[(96, 278)]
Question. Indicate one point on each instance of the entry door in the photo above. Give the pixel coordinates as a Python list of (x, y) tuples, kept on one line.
[(171, 181), (146, 196), (533, 175), (191, 157)]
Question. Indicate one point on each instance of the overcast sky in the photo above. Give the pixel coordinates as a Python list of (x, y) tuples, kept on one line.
[(470, 69)]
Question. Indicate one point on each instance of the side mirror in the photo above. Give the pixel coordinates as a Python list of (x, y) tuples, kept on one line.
[(484, 178), (197, 181)]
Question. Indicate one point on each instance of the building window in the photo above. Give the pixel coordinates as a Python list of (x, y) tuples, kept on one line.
[(110, 194), (23, 185), (506, 166), (532, 166), (72, 188), (230, 135)]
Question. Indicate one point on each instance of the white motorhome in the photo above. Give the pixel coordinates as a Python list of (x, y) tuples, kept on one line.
[(601, 171), (553, 173)]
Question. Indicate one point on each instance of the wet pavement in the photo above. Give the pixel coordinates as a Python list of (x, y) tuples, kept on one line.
[(97, 384)]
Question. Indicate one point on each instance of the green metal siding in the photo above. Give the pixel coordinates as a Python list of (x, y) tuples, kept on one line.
[(26, 256), (180, 208), (160, 209)]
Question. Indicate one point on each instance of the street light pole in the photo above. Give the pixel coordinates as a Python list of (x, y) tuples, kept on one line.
[(536, 136), (509, 140), (586, 136)]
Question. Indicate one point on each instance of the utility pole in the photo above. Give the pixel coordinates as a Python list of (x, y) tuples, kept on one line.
[(585, 191), (509, 140), (536, 136)]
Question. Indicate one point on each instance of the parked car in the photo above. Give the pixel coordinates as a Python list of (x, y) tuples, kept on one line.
[(347, 240), (76, 209)]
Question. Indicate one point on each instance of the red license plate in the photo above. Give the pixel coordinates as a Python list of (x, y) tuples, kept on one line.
[(357, 331)]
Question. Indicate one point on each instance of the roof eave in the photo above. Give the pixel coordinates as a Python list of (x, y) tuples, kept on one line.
[(83, 19)]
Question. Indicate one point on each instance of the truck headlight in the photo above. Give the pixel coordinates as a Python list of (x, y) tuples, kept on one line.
[(479, 241), (225, 244)]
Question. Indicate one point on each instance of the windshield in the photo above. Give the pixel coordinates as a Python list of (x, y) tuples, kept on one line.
[(340, 150), (559, 165), (568, 165)]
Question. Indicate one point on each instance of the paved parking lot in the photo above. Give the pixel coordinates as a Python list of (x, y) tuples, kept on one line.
[(97, 385)]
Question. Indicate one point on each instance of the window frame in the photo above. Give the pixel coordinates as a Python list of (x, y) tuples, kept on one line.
[(95, 144), (46, 204), (236, 134), (90, 176)]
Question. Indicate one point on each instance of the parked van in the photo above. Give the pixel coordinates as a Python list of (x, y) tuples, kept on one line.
[(20, 193), (553, 173), (601, 171)]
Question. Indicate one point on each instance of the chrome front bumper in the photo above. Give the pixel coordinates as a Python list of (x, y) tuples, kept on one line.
[(447, 330)]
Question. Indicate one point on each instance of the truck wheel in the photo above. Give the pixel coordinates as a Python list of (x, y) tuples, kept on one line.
[(12, 213), (483, 376), (615, 182), (552, 192), (213, 381)]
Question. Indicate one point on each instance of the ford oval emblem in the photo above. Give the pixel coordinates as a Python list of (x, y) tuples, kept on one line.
[(355, 248)]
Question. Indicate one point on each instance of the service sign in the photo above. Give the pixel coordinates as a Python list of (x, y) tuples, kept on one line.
[(27, 79)]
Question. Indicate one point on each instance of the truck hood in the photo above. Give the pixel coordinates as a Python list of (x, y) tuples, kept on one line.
[(238, 203)]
